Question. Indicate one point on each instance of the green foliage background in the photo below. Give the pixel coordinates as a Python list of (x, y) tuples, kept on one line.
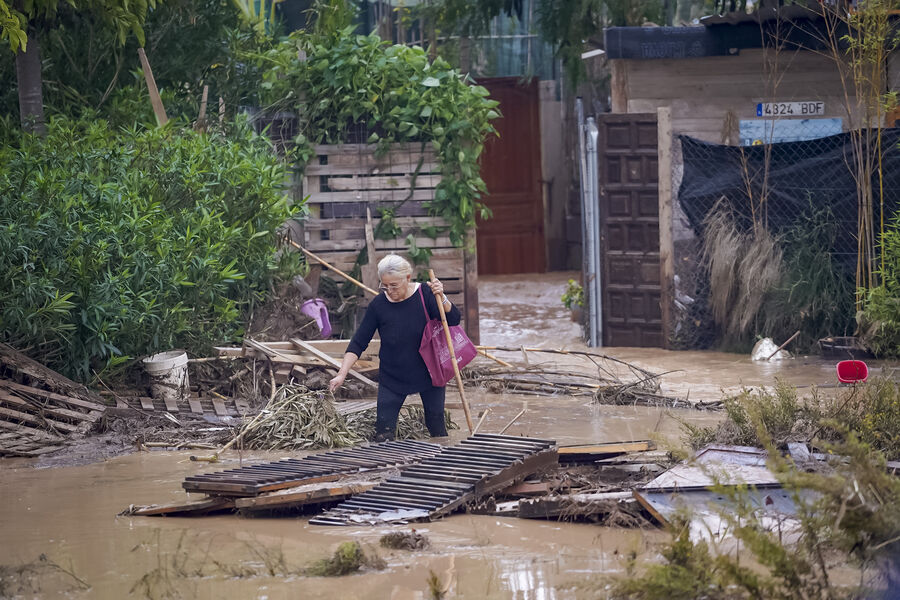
[(396, 94), (880, 319), (123, 243)]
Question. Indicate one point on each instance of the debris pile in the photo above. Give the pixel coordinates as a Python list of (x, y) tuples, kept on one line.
[(602, 379), (41, 410)]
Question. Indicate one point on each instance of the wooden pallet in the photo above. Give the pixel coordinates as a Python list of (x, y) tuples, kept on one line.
[(40, 409), (348, 186), (476, 467)]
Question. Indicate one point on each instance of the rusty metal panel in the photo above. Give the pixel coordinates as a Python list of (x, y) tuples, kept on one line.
[(629, 230)]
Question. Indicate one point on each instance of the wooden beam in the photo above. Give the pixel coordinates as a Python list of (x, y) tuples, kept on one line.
[(302, 495), (332, 361), (182, 509), (666, 243)]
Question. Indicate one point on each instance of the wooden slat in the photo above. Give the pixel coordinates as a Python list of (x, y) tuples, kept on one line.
[(369, 149), (404, 223), (195, 406), (219, 407), (189, 508), (345, 167), (307, 494), (395, 195), (52, 396), (37, 434), (333, 362), (401, 182), (13, 400), (29, 418), (147, 403)]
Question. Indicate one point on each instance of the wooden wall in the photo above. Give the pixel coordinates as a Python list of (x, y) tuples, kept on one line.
[(707, 96), (347, 184)]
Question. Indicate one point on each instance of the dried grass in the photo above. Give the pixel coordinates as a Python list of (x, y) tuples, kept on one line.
[(743, 268)]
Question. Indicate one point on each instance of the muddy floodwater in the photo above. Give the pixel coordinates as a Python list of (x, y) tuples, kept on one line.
[(69, 514)]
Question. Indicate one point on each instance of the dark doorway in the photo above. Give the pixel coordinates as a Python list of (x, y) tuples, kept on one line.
[(629, 230), (513, 240)]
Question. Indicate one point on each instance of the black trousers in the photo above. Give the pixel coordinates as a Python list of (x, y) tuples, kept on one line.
[(388, 411)]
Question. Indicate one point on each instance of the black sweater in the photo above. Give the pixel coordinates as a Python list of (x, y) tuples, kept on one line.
[(400, 325)]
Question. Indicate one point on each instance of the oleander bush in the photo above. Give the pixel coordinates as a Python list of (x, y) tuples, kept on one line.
[(121, 243)]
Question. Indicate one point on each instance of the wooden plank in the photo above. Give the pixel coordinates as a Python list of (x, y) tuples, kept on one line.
[(219, 407), (398, 182), (368, 149), (570, 505), (155, 100), (29, 418), (190, 508), (393, 195), (594, 452), (371, 168), (171, 404), (52, 395), (666, 243), (333, 362), (36, 434), (195, 406), (13, 400), (147, 403), (302, 495), (356, 223)]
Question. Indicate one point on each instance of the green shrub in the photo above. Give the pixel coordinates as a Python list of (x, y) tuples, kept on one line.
[(879, 321), (123, 243), (394, 93)]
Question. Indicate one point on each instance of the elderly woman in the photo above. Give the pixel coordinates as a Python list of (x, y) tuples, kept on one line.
[(400, 315)]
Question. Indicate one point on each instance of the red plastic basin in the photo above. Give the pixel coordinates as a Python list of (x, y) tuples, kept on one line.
[(852, 371)]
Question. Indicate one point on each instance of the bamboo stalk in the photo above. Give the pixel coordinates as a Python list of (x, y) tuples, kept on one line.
[(360, 284)]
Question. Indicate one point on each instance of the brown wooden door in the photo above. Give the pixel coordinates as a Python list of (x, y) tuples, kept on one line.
[(513, 240), (629, 230)]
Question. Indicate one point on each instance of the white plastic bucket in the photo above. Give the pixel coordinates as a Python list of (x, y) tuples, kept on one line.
[(168, 375)]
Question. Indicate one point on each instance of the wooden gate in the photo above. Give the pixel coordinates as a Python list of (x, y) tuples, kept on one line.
[(513, 240), (629, 230)]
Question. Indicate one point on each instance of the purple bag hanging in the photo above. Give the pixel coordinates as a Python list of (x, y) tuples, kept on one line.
[(435, 353), (318, 311)]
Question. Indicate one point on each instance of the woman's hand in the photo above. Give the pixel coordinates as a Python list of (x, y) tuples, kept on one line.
[(336, 382), (437, 288)]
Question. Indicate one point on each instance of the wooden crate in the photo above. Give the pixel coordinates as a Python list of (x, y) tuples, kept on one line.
[(346, 186)]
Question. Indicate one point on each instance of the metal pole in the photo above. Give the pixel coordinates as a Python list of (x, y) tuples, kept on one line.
[(593, 134), (587, 253)]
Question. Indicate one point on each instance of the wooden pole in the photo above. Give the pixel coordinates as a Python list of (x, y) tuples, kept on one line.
[(459, 383), (200, 125), (778, 349), (333, 268), (158, 108), (666, 244)]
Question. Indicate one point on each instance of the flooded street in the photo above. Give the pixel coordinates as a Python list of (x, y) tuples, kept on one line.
[(69, 514)]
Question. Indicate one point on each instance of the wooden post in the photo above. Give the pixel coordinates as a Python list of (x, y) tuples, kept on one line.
[(459, 382), (619, 86), (666, 244), (200, 125), (158, 108), (470, 287)]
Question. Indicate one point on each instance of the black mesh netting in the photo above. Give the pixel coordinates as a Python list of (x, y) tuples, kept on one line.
[(799, 180)]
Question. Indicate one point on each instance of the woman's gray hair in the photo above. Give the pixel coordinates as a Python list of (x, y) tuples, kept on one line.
[(393, 263)]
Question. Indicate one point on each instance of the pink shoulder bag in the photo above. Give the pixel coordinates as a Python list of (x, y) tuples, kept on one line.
[(434, 349)]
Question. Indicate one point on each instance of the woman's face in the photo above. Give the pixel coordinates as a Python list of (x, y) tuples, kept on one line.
[(395, 286)]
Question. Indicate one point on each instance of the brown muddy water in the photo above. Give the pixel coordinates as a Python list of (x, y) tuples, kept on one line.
[(69, 514)]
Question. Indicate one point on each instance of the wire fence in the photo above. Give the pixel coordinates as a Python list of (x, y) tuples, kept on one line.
[(796, 181)]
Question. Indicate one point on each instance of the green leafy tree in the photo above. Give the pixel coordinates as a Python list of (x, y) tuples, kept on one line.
[(25, 24)]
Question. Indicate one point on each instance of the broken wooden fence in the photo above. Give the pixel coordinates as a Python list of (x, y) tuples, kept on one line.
[(348, 187)]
